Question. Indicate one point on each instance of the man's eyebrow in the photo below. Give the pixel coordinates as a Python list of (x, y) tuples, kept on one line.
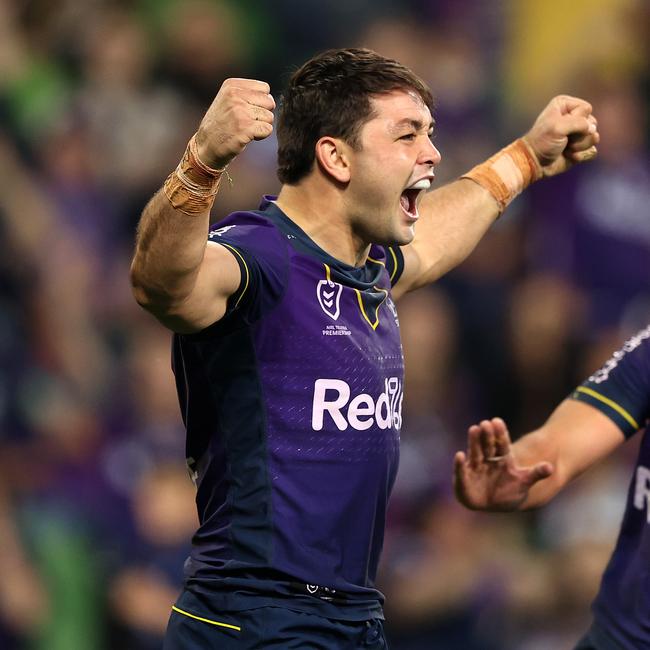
[(418, 125)]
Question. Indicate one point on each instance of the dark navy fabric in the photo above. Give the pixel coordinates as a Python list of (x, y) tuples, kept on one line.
[(597, 639), (194, 625), (621, 390), (292, 405)]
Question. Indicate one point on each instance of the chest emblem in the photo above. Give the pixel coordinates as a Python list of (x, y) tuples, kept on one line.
[(329, 295)]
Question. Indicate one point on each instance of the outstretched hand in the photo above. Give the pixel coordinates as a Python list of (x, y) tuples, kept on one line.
[(564, 133), (488, 477)]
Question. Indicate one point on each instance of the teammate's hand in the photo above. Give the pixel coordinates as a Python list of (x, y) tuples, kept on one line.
[(241, 112), (488, 477), (563, 134)]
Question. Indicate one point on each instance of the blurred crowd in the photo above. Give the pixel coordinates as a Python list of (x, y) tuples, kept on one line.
[(97, 101)]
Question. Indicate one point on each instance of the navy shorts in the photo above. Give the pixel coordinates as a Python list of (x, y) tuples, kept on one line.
[(190, 627)]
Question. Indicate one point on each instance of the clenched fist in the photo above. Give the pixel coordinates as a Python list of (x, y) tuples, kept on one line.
[(564, 133), (241, 112)]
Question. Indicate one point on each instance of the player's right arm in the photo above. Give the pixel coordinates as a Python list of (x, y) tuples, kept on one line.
[(175, 274)]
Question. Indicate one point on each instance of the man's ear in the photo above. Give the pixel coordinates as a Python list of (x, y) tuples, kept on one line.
[(332, 156)]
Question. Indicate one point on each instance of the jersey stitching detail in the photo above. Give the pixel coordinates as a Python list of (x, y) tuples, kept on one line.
[(206, 620), (605, 400)]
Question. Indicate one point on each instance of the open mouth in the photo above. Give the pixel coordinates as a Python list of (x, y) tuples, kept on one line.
[(408, 198), (408, 201)]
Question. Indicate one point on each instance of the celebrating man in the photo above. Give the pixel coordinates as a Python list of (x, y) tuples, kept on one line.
[(286, 351)]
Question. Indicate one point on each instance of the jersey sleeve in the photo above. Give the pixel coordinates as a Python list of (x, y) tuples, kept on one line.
[(260, 250), (621, 388)]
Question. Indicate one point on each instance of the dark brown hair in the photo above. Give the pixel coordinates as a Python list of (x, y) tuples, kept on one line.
[(330, 95)]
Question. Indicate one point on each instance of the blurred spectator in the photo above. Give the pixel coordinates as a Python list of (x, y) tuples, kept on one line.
[(141, 591), (126, 112), (195, 58), (597, 224), (547, 311), (24, 604)]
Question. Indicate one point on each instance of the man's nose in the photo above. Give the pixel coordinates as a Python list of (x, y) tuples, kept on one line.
[(430, 154)]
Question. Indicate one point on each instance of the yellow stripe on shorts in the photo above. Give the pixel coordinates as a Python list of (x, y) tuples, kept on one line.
[(206, 620)]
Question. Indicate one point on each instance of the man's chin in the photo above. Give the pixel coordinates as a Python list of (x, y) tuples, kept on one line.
[(404, 236), (400, 234)]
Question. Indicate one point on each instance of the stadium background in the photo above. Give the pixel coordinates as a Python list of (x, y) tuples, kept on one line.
[(97, 100)]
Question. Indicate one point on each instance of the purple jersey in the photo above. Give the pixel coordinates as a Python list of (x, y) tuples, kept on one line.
[(292, 404), (621, 390)]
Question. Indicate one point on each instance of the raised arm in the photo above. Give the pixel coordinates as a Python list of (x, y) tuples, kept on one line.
[(496, 475), (175, 275), (454, 217)]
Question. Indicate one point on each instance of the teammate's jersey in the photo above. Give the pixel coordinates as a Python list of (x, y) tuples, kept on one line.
[(621, 390), (292, 404)]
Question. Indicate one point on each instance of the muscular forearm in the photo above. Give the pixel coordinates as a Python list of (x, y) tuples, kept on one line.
[(575, 437), (458, 215), (170, 246), (536, 447)]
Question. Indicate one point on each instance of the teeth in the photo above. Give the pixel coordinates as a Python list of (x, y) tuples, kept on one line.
[(423, 184)]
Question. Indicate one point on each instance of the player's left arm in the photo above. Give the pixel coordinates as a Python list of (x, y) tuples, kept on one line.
[(453, 218), (494, 474), (609, 407)]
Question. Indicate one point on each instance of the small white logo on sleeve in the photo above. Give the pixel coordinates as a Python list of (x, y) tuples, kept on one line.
[(219, 231)]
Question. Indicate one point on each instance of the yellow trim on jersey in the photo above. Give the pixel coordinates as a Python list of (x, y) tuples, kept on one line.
[(392, 252), (363, 309), (239, 255), (327, 272), (605, 400), (206, 620)]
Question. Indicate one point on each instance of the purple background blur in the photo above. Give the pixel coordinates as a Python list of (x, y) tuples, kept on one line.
[(97, 101)]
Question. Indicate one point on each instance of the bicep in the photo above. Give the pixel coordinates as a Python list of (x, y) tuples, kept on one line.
[(219, 277)]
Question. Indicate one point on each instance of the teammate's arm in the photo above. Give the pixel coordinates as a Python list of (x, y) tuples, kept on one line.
[(175, 275), (496, 475), (453, 218)]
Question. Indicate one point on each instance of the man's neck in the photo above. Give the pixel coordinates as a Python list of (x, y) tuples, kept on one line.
[(322, 216)]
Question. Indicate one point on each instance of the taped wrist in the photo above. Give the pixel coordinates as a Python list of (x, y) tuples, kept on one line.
[(192, 186), (508, 173)]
